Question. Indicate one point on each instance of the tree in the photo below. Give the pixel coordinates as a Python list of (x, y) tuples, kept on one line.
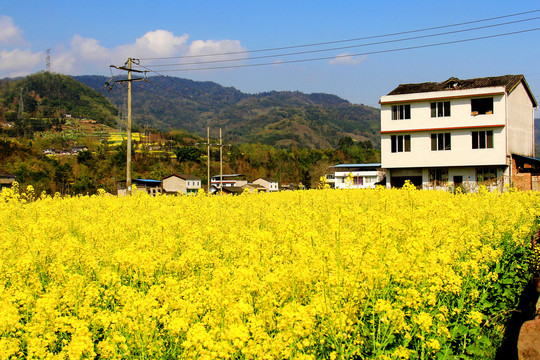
[(190, 153), (83, 157), (120, 156), (62, 174), (345, 142)]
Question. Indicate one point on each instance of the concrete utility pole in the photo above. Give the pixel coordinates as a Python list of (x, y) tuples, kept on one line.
[(128, 67), (20, 115), (208, 157), (220, 162)]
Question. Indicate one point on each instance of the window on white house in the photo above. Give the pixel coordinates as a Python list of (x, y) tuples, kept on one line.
[(358, 180), (401, 112), (370, 179), (438, 176), (400, 143), (440, 109), (440, 141), (482, 139), (486, 176), (482, 106)]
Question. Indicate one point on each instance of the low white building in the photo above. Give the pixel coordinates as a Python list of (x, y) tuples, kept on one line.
[(269, 184), (185, 184), (362, 176), (227, 180)]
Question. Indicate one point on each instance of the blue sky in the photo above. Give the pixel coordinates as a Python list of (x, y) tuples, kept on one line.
[(86, 37)]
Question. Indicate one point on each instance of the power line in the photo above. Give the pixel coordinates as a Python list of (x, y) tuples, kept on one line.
[(346, 55), (346, 40), (347, 47)]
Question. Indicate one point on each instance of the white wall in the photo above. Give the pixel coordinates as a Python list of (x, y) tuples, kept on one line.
[(520, 122), (369, 179), (460, 124), (461, 153), (174, 184)]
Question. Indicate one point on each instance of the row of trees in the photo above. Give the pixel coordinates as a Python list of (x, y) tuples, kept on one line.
[(103, 165)]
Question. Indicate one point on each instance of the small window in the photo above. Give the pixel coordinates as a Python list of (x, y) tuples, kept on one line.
[(482, 106), (440, 109), (440, 141), (401, 112), (482, 139), (401, 143)]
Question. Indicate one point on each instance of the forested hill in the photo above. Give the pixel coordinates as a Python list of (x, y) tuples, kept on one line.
[(50, 96), (273, 118)]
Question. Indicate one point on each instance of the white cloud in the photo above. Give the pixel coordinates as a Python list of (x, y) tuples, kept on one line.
[(209, 47), (9, 33), (17, 62), (64, 62), (347, 59), (88, 49), (85, 55), (158, 43)]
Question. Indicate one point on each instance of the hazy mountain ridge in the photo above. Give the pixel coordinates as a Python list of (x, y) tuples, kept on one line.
[(282, 118)]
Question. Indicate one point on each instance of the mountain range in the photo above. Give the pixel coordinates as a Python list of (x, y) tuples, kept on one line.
[(278, 118)]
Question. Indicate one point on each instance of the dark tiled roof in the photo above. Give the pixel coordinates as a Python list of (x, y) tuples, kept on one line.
[(232, 189), (5, 174), (508, 81)]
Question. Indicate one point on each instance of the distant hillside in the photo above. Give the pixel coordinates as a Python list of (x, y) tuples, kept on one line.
[(273, 118), (48, 95)]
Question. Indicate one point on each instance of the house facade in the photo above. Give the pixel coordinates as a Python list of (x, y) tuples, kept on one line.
[(227, 180), (269, 184), (184, 184), (356, 176), (149, 186), (457, 133), (6, 179)]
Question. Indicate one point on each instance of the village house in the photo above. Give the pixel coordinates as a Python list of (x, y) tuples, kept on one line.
[(227, 180), (6, 179), (78, 148), (184, 184), (459, 133), (252, 187), (291, 187), (151, 187), (268, 184), (229, 190), (362, 176)]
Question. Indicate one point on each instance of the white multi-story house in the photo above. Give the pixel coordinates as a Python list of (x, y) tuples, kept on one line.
[(356, 176), (457, 132), (185, 184)]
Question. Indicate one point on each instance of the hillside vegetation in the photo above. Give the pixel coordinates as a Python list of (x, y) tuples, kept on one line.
[(48, 97), (286, 136), (282, 119)]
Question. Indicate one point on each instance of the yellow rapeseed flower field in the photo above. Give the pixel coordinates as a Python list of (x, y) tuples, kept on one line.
[(318, 274)]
